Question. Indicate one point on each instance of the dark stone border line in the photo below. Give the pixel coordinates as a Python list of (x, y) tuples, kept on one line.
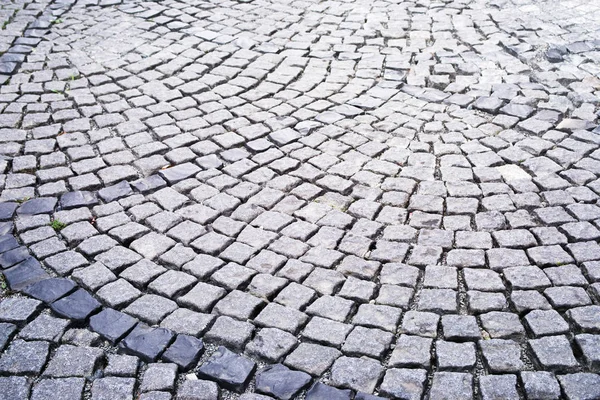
[(24, 274)]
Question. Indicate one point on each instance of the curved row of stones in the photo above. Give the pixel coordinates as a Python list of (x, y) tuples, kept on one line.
[(389, 198)]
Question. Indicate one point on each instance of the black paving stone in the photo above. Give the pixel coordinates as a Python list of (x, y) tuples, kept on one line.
[(50, 290), (6, 227), (42, 205), (14, 256), (77, 306), (185, 351), (115, 192), (146, 342), (281, 382), (320, 391), (78, 199), (111, 324), (24, 274), (7, 210), (230, 370), (8, 242), (149, 184)]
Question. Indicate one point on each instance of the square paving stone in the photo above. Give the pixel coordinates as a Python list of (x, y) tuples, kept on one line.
[(502, 355), (81, 337), (460, 327), (483, 302), (411, 351), (159, 377), (360, 374), (327, 332), (113, 388), (146, 342), (202, 297), (151, 308), (367, 342), (202, 266), (567, 297), (187, 322), (197, 389), (24, 358), (543, 323), (420, 323), (554, 353), (580, 385), (334, 308), (312, 358), (440, 277), (142, 272), (502, 325), (266, 286), (404, 383), (589, 345), (284, 318), (566, 275), (378, 316), (396, 296), (152, 245), (438, 300), (324, 281), (358, 267), (527, 300), (49, 290), (526, 277), (121, 365), (15, 387), (177, 256), (230, 332), (118, 294), (586, 319), (93, 277), (498, 386), (238, 305), (69, 388), (18, 310), (118, 258), (230, 370), (232, 276), (399, 274), (45, 327), (540, 385), (280, 381), (271, 344), (451, 385), (69, 361), (172, 283), (455, 356)]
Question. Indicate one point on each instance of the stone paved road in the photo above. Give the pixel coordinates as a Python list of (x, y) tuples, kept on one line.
[(315, 200)]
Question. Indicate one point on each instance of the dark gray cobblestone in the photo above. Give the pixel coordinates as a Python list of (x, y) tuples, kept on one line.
[(310, 200)]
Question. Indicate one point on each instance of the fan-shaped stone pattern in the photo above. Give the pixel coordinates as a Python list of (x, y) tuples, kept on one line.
[(321, 186)]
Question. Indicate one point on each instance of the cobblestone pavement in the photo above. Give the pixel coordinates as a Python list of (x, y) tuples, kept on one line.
[(299, 199)]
